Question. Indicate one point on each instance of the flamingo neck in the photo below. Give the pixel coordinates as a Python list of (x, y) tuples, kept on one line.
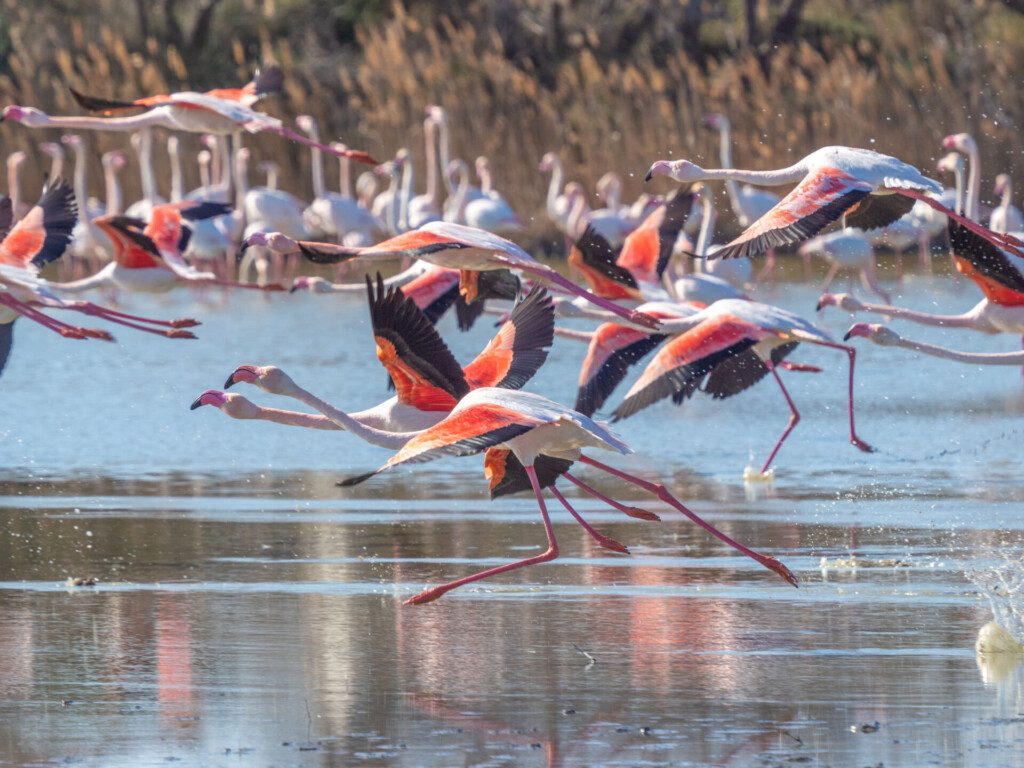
[(432, 169), (57, 164), (403, 203), (958, 175), (973, 183), (445, 150), (113, 187), (177, 183), (485, 180), (372, 435), (978, 358), (204, 175), (241, 180), (316, 161), (295, 418), (790, 175), (707, 224), (461, 193), (14, 185), (1007, 198), (725, 152), (577, 217), (145, 155), (393, 203), (554, 188), (344, 178)]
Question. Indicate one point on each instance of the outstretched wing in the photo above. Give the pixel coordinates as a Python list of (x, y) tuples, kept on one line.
[(613, 350), (423, 369), (648, 248), (821, 198), (415, 244), (742, 371), (876, 211), (506, 474), (44, 233), (236, 112), (685, 360), (595, 259), (519, 348)]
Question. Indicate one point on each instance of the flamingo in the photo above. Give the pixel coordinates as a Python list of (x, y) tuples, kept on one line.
[(558, 206), (738, 272), (846, 250), (387, 206), (220, 111), (142, 143), (1005, 217), (734, 343), (610, 225), (41, 237), (528, 426), (358, 224), (325, 209), (866, 188), (748, 203), (55, 152), (427, 207), (965, 144), (886, 337), (483, 212), (456, 246), (271, 209)]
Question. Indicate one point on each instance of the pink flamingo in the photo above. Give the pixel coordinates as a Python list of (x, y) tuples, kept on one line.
[(886, 337)]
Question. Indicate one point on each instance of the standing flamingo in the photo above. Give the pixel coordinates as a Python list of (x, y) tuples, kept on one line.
[(1006, 217), (866, 188), (558, 205), (846, 250), (456, 246)]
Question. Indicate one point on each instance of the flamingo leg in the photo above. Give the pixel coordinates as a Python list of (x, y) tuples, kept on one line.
[(357, 156), (662, 493), (135, 321), (636, 512), (798, 367), (767, 273), (602, 540), (827, 282), (549, 554), (794, 417), (65, 330), (852, 353), (1001, 240)]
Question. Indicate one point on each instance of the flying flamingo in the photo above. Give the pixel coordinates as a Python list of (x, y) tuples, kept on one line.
[(41, 237), (866, 188), (529, 426), (886, 337), (220, 112), (467, 249), (734, 343)]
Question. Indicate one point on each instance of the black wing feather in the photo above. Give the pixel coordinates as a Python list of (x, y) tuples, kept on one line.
[(59, 216), (876, 211), (595, 392)]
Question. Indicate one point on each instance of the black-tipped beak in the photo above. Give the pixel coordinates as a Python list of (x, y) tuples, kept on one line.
[(231, 381), (818, 307), (848, 335), (649, 176), (196, 403)]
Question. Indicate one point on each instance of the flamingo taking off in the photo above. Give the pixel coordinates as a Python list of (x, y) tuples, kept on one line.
[(866, 188)]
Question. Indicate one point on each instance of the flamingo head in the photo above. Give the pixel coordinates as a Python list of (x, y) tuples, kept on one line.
[(312, 284), (212, 397), (209, 141), (275, 241), (51, 148), (15, 159), (574, 191), (269, 378), (1002, 184), (455, 170), (72, 140), (30, 116), (305, 123), (961, 142), (879, 334), (716, 120), (337, 146), (234, 405), (548, 162), (680, 170), (482, 165), (950, 163), (437, 114), (114, 159)]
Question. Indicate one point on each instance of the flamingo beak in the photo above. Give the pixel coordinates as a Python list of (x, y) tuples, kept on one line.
[(858, 329), (209, 397), (243, 373)]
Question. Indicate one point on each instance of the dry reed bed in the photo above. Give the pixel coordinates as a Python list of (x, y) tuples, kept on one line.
[(897, 93)]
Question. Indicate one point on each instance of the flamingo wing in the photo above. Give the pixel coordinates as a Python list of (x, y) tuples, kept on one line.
[(423, 369), (595, 258), (434, 291), (415, 244), (821, 198), (742, 371), (44, 233), (519, 348), (685, 360), (876, 211), (506, 474), (999, 278), (248, 119), (613, 350), (648, 248)]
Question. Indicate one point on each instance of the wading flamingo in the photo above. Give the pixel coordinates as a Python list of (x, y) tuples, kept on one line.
[(456, 246), (868, 189)]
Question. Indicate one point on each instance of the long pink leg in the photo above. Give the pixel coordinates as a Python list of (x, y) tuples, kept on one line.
[(786, 365), (549, 554), (550, 275), (853, 359), (357, 156), (184, 322), (794, 417), (602, 540), (1000, 240), (65, 330), (88, 308), (662, 493), (636, 512)]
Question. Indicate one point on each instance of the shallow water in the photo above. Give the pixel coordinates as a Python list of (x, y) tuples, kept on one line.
[(249, 612)]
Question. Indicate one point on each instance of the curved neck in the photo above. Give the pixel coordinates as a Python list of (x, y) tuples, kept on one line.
[(554, 188), (393, 203), (1007, 197), (293, 418), (56, 165), (961, 203), (177, 183), (459, 201), (485, 179), (790, 175), (973, 183), (442, 128), (391, 440), (316, 161), (725, 152), (994, 358), (575, 223), (113, 185)]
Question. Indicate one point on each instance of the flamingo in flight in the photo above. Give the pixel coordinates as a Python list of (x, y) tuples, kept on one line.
[(866, 188), (732, 344), (455, 246), (529, 426), (220, 112), (886, 337), (40, 237)]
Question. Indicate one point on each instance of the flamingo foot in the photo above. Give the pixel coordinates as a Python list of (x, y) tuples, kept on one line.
[(609, 543), (71, 333), (426, 596), (801, 367), (858, 443), (641, 514), (95, 333), (185, 322), (179, 334)]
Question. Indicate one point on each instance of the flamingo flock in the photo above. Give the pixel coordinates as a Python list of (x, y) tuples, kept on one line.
[(695, 307)]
